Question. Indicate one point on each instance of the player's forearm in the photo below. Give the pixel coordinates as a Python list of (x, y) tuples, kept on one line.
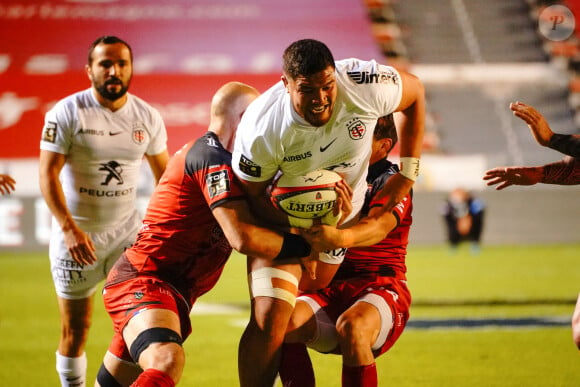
[(368, 231), (248, 238), (55, 200), (567, 144), (564, 172)]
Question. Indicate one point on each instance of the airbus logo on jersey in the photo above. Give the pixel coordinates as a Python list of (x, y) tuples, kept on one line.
[(302, 156), (365, 77), (356, 129), (92, 132)]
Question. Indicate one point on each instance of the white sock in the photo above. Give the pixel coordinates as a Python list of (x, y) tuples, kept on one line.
[(72, 371)]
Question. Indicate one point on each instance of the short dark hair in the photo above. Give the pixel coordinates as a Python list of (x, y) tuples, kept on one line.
[(107, 39), (385, 128), (306, 57)]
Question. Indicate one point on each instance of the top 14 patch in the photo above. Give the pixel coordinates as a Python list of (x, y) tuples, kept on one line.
[(248, 167), (218, 183), (49, 132)]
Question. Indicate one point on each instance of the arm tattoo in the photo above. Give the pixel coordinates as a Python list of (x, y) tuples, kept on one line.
[(564, 172)]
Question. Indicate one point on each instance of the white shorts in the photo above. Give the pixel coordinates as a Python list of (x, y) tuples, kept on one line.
[(75, 281)]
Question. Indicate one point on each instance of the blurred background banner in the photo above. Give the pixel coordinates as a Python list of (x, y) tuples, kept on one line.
[(474, 57), (183, 52)]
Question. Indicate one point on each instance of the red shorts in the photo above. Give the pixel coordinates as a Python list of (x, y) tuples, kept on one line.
[(126, 299), (341, 295)]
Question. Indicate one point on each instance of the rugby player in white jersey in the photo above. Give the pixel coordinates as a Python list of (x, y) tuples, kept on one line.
[(320, 115), (92, 146)]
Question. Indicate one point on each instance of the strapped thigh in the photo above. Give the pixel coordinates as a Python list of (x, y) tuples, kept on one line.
[(150, 336), (263, 280), (105, 379)]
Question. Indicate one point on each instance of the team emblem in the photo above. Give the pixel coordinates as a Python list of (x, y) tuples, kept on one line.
[(356, 129), (139, 133)]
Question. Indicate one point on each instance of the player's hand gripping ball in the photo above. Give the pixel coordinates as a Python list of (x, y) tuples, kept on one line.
[(307, 196)]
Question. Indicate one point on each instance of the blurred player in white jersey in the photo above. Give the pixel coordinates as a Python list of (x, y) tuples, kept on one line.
[(92, 147), (321, 115)]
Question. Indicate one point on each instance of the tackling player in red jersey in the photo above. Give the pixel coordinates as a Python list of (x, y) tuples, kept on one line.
[(365, 308), (195, 217)]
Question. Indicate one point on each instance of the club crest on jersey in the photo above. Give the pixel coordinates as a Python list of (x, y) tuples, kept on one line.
[(49, 132), (356, 129), (139, 133)]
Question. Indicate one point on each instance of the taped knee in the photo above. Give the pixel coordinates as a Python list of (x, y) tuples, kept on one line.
[(105, 379), (326, 339), (274, 283), (150, 336)]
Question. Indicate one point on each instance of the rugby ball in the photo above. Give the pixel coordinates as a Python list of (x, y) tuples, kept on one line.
[(307, 196)]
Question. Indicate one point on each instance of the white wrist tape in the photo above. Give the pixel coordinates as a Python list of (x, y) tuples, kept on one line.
[(410, 167)]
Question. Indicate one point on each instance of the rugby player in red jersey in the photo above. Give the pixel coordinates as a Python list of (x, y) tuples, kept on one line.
[(365, 308), (195, 217)]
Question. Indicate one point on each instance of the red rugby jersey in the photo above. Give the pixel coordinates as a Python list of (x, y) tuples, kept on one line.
[(180, 241), (386, 258)]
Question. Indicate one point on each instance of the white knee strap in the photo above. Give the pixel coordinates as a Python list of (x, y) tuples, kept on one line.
[(261, 284), (326, 338), (386, 317)]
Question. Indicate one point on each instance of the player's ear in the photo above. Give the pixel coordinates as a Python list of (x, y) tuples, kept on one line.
[(386, 145), (89, 71)]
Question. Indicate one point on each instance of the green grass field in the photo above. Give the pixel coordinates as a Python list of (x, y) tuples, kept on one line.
[(502, 283)]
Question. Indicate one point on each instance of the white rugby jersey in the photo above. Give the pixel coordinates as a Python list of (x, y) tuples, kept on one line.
[(104, 151), (272, 136)]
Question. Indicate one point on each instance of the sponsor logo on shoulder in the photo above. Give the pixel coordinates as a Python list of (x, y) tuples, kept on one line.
[(365, 77), (248, 167), (217, 182), (49, 132)]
